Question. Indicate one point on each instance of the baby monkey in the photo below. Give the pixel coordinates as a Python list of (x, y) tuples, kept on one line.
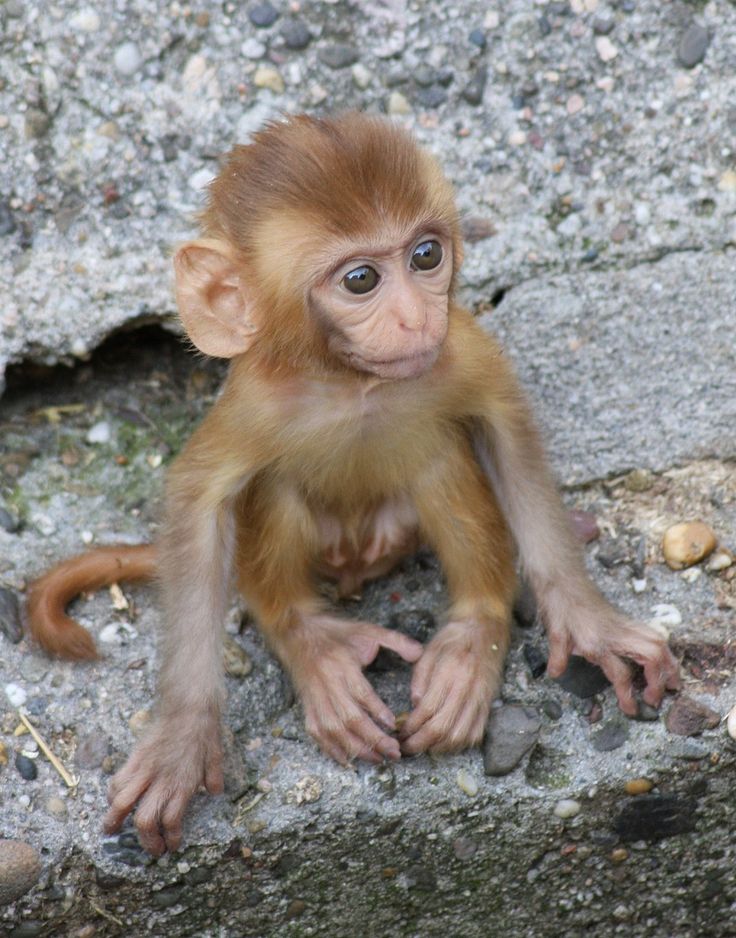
[(364, 413)]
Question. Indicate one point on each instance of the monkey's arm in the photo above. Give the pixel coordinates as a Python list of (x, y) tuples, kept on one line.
[(182, 749), (578, 618)]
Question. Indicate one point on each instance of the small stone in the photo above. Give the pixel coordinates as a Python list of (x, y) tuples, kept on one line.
[(10, 622), (552, 708), (575, 104), (511, 732), (478, 38), (167, 897), (638, 480), (606, 50), (727, 182), (693, 45), (689, 717), (20, 867), (517, 138), (731, 723), (26, 767), (15, 694), (464, 848), (4, 757), (338, 56), (467, 782), (431, 97), (642, 214), (306, 790), (295, 908), (689, 750), (639, 786), (687, 543), (253, 49), (91, 750), (665, 615), (619, 855), (585, 525), (582, 678), (139, 721), (99, 433), (57, 807), (535, 659), (8, 522), (263, 15), (268, 77), (8, 223), (567, 808), (127, 58), (603, 25), (647, 713), (236, 659), (361, 75), (619, 233), (611, 735), (44, 523), (85, 21), (397, 105), (296, 34), (475, 88), (720, 560)]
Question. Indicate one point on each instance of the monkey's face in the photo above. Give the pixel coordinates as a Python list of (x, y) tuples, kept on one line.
[(384, 307)]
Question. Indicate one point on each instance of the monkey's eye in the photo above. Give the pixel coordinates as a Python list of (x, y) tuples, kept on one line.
[(426, 256), (360, 280)]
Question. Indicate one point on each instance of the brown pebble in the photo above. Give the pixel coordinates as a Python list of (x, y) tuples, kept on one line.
[(585, 525), (139, 721), (689, 717), (639, 480), (687, 544), (620, 233), (4, 757), (619, 855), (639, 786), (57, 807), (20, 867), (236, 659), (295, 908), (389, 872)]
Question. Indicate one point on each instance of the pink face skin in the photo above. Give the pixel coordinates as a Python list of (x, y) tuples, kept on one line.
[(395, 328)]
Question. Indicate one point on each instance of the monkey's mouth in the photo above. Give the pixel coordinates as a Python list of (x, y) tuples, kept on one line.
[(410, 366)]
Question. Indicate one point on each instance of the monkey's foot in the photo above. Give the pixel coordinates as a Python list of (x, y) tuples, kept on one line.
[(164, 772), (454, 683), (343, 713), (611, 640)]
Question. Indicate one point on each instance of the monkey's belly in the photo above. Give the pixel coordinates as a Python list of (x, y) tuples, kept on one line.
[(359, 549)]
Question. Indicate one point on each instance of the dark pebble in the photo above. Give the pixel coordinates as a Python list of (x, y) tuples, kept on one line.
[(26, 235), (8, 522), (512, 731), (464, 848), (338, 56), (473, 91), (582, 678), (199, 875), (129, 840), (119, 210), (478, 38), (583, 705), (10, 623), (603, 25), (419, 877), (296, 908), (91, 750), (426, 76), (169, 147), (166, 897), (628, 6), (36, 706), (590, 255), (27, 929), (693, 45), (545, 27), (552, 708), (525, 606), (689, 717), (37, 122), (263, 15), (611, 735), (431, 97), (647, 713), (27, 767), (654, 817), (7, 219), (107, 880), (419, 624), (536, 660), (295, 34)]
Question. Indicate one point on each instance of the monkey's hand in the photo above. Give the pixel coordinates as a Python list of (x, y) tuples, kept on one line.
[(177, 756), (608, 638), (453, 686), (326, 656)]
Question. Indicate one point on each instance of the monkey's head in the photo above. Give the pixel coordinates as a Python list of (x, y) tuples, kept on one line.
[(333, 243)]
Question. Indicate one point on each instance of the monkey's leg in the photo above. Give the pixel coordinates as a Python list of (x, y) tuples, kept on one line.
[(459, 674), (279, 546)]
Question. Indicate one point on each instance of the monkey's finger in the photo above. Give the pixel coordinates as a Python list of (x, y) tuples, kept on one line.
[(147, 824), (171, 820), (409, 649), (619, 674), (358, 749), (369, 700), (123, 803), (421, 676), (660, 675), (440, 703), (214, 780), (560, 648)]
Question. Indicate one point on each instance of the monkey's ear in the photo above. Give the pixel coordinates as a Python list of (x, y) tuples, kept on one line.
[(212, 299)]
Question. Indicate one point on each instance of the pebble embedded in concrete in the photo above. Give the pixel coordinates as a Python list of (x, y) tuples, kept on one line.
[(567, 808), (20, 867)]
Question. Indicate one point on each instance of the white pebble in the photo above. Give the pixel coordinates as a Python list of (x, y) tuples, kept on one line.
[(397, 104), (200, 179), (127, 58), (642, 213), (87, 537), (86, 21), (361, 75), (605, 49), (731, 723), (15, 694), (43, 523), (665, 614), (567, 808), (468, 783), (253, 49), (24, 801), (110, 634), (638, 586), (99, 433), (691, 575), (721, 560)]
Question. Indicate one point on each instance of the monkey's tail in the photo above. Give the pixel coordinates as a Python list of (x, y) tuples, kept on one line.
[(48, 596)]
